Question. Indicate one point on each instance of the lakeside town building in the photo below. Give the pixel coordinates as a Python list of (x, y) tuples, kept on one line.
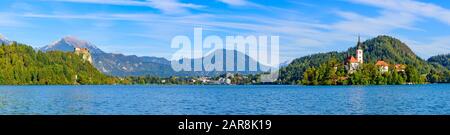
[(383, 66)]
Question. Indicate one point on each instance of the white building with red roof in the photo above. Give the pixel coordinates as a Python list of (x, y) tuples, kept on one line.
[(384, 67), (352, 63)]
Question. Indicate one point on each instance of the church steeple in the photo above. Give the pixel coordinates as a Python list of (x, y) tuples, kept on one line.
[(359, 44), (359, 51), (359, 39)]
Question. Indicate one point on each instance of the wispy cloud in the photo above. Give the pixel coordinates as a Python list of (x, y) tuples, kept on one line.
[(410, 6), (385, 22), (166, 6), (431, 47), (235, 2), (10, 20), (296, 34), (300, 34), (111, 2), (407, 12), (173, 6)]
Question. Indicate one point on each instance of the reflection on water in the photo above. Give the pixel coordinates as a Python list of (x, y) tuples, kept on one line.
[(356, 100), (404, 99)]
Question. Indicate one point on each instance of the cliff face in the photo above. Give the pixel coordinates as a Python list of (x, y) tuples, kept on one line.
[(84, 52)]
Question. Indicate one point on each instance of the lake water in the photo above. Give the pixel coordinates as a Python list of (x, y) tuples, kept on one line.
[(181, 100)]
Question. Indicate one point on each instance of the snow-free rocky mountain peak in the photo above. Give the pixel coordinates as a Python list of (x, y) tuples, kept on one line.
[(129, 65), (68, 43)]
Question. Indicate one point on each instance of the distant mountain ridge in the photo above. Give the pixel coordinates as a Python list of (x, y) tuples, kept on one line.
[(246, 59), (132, 65), (114, 64)]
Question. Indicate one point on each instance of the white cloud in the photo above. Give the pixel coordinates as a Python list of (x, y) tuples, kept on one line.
[(407, 12), (109, 2), (385, 22), (166, 6), (173, 6), (437, 45), (22, 6), (10, 20), (295, 34), (235, 2), (299, 34), (412, 7)]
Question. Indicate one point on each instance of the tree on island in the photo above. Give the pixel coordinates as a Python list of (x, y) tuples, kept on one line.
[(329, 69)]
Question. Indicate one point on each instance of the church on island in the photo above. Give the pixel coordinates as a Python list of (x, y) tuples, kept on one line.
[(352, 63)]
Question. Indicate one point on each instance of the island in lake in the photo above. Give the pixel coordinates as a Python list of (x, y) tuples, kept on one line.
[(382, 60), (378, 61)]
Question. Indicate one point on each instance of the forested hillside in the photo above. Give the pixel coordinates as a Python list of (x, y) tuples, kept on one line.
[(21, 64), (328, 68), (443, 60)]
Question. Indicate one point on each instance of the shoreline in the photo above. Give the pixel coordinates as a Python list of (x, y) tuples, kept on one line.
[(224, 85)]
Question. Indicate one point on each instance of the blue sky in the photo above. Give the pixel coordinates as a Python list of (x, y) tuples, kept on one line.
[(146, 27)]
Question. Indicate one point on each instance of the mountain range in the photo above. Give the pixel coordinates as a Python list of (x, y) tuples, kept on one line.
[(110, 63), (132, 65), (380, 48)]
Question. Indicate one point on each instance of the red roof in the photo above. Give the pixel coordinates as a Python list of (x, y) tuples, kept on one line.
[(381, 63), (352, 59), (400, 66)]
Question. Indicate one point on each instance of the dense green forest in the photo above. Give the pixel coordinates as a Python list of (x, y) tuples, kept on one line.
[(443, 60), (328, 68), (333, 73), (22, 65)]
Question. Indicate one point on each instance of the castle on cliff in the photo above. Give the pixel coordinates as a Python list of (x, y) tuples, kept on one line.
[(84, 52)]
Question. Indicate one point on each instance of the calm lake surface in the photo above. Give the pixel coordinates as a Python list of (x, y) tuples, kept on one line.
[(276, 99)]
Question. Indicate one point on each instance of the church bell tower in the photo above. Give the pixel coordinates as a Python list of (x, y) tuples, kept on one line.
[(359, 51)]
